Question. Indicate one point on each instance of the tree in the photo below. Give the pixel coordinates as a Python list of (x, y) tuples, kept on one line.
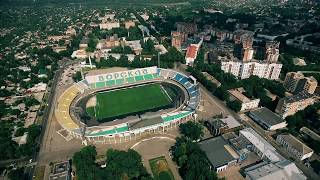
[(191, 130), (148, 47), (77, 76), (92, 44), (84, 161), (125, 164), (234, 105), (17, 174), (120, 165), (221, 93), (192, 160)]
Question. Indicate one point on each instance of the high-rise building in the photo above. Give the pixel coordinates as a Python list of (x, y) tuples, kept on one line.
[(290, 105), (187, 28), (177, 38), (272, 51), (243, 47), (295, 82), (307, 84), (244, 70)]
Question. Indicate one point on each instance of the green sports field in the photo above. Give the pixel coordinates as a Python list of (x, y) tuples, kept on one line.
[(128, 101)]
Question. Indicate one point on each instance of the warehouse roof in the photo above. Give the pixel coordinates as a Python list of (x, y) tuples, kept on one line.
[(266, 115), (218, 151)]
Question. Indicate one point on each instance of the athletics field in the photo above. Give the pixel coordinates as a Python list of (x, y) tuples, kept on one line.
[(128, 101)]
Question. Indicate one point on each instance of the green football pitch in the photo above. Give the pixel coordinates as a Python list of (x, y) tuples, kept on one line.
[(127, 101)]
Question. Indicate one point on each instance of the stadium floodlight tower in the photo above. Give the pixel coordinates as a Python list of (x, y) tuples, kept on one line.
[(90, 62)]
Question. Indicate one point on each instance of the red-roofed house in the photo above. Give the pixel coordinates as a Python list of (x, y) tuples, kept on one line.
[(192, 52)]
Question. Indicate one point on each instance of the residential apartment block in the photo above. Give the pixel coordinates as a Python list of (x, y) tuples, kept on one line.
[(272, 51), (244, 70), (177, 38), (246, 103), (295, 82), (290, 105)]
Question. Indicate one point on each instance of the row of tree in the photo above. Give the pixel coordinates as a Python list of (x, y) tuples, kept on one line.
[(119, 165), (192, 161), (166, 60), (9, 149)]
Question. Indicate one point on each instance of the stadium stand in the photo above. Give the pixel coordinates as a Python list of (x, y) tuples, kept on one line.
[(112, 80)]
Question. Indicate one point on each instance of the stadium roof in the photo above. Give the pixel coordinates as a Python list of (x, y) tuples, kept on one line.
[(218, 151), (145, 123)]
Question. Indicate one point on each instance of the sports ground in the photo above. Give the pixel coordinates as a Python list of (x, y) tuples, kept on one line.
[(127, 101), (160, 169)]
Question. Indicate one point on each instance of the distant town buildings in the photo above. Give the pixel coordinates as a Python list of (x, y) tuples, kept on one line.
[(246, 103), (177, 38), (109, 25), (70, 31), (288, 106), (246, 52), (109, 42), (135, 46), (272, 51), (267, 119), (294, 146), (129, 24), (187, 28), (295, 82)]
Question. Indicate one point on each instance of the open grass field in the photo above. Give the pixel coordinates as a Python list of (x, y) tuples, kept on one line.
[(127, 101), (160, 169)]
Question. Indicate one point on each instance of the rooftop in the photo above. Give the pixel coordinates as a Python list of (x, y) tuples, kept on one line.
[(296, 143), (298, 97), (192, 51), (218, 151), (262, 145), (237, 93), (230, 121), (285, 170), (266, 115)]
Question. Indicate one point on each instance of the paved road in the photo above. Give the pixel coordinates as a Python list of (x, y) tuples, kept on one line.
[(48, 113)]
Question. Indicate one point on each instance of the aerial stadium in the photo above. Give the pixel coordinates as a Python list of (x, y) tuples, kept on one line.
[(120, 106)]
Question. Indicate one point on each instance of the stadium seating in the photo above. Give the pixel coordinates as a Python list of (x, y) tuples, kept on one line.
[(62, 110), (109, 132), (128, 80), (175, 116)]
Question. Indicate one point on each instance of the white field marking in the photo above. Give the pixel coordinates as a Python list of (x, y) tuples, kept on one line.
[(161, 137)]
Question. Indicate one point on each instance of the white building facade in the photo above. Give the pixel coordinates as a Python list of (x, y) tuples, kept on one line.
[(244, 70)]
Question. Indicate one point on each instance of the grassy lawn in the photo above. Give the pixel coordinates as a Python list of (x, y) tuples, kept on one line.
[(39, 173), (160, 169), (126, 101)]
